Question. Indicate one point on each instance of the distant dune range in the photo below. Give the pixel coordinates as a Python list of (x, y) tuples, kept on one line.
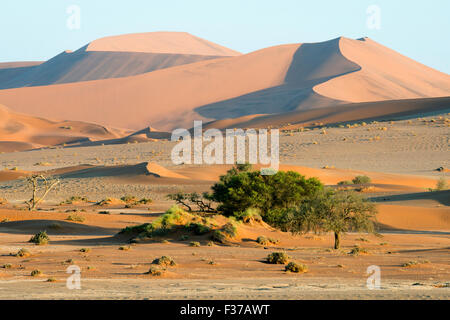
[(113, 57), (166, 80), (22, 132)]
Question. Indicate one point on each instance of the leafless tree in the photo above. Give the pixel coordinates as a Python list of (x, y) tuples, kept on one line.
[(39, 184)]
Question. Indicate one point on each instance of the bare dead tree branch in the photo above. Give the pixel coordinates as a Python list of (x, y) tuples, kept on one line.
[(37, 182)]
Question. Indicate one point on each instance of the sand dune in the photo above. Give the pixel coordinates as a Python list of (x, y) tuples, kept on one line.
[(413, 218), (19, 64), (82, 65), (12, 70), (22, 132), (161, 42), (9, 175), (64, 227), (114, 57), (345, 113), (148, 99), (328, 176), (270, 81), (424, 199), (128, 171), (385, 74)]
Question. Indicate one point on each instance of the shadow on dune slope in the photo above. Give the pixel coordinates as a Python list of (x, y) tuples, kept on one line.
[(312, 64), (62, 228)]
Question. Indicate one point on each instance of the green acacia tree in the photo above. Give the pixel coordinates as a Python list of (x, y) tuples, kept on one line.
[(330, 211), (241, 189)]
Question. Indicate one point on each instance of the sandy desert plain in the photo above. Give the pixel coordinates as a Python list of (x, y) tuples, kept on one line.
[(355, 108)]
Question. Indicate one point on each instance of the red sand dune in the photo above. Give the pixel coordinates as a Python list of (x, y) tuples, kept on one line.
[(114, 57), (270, 81), (413, 218), (344, 113), (161, 42), (327, 176), (120, 171), (22, 132)]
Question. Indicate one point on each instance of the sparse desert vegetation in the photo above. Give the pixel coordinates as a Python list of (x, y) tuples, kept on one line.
[(414, 263), (22, 253), (155, 271), (164, 261), (361, 180), (75, 200), (296, 267), (75, 217), (278, 258), (36, 273), (263, 240), (40, 238), (234, 220)]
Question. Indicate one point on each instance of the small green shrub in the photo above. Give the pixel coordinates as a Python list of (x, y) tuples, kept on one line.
[(194, 244), (249, 215), (277, 258), (441, 184), (145, 201), (22, 253), (361, 180), (75, 218), (218, 236), (296, 267), (36, 273), (154, 272), (165, 261), (109, 201), (230, 229), (174, 219), (129, 199), (198, 228), (85, 250), (124, 248), (344, 183), (40, 238), (7, 266), (357, 251), (413, 263), (266, 241), (75, 199)]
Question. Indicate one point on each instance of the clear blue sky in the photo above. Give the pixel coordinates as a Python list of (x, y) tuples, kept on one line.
[(36, 30)]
